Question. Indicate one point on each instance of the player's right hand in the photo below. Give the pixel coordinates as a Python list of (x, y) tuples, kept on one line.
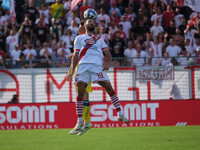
[(69, 76)]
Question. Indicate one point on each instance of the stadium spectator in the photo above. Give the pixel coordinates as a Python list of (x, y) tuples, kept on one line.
[(46, 52), (140, 29), (178, 18), (72, 16), (182, 27), (174, 62), (41, 32), (44, 9), (32, 12), (115, 9), (139, 16), (122, 33), (128, 52), (138, 61), (45, 21), (116, 18), (157, 16), (12, 40), (55, 28), (155, 45), (189, 32), (156, 29), (115, 54), (45, 56), (74, 28), (38, 47), (27, 30), (104, 35), (61, 61), (15, 54), (196, 46), (182, 60), (152, 59), (188, 47), (171, 29), (68, 39), (30, 52), (143, 54), (179, 38), (14, 99), (168, 15), (103, 16), (112, 28), (165, 60), (104, 4), (57, 9), (126, 27), (64, 47), (173, 50), (117, 41)]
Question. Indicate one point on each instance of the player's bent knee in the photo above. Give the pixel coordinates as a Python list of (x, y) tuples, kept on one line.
[(107, 86)]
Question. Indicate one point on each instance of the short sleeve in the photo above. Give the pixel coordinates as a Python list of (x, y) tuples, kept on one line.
[(77, 44), (103, 45)]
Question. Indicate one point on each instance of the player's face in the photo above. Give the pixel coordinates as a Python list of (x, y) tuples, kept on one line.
[(90, 24)]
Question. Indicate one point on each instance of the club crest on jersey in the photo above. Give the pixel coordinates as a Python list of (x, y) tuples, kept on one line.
[(90, 41)]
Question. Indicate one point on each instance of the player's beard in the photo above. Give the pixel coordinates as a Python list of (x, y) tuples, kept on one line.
[(90, 28)]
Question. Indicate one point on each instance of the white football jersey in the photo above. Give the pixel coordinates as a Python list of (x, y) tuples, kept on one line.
[(92, 53)]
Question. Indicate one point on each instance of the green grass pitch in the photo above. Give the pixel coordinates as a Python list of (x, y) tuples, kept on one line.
[(133, 138)]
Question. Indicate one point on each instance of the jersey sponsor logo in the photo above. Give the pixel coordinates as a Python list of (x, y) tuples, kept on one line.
[(90, 41)]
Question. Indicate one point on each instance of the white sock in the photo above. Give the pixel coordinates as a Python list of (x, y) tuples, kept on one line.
[(119, 113), (80, 119)]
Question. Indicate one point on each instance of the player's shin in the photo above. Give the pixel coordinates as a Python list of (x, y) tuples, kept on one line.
[(86, 109), (115, 102)]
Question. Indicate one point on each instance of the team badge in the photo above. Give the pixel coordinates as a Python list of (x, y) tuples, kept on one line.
[(90, 41)]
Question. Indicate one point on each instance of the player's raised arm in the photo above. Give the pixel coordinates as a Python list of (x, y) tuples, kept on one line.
[(108, 59)]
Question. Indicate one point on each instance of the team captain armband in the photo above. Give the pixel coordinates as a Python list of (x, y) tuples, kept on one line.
[(77, 50), (105, 48)]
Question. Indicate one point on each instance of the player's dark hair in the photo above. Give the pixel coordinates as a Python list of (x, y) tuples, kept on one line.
[(82, 22)]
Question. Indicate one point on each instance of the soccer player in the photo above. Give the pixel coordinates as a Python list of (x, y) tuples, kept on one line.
[(86, 103), (88, 52)]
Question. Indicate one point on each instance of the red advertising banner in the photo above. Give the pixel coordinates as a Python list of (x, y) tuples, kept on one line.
[(103, 114)]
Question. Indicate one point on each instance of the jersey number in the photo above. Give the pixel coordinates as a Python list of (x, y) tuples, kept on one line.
[(100, 75)]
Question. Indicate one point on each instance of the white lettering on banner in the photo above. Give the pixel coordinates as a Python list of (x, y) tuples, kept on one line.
[(137, 124), (40, 126), (30, 110), (9, 114), (155, 73), (2, 116), (102, 115), (132, 111), (28, 114)]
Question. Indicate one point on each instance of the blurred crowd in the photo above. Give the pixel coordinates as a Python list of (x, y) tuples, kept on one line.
[(138, 32)]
